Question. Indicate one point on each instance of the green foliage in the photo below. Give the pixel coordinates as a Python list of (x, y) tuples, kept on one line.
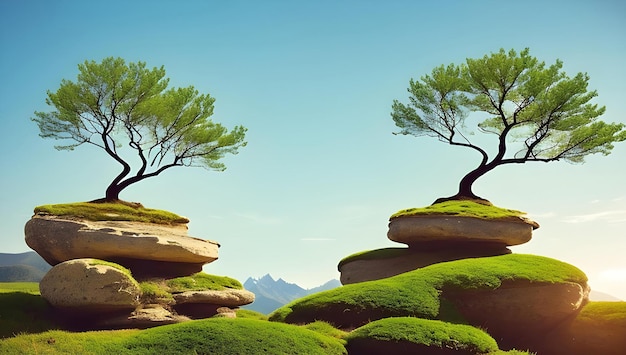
[(461, 208), (537, 112), (417, 293), (111, 212), (202, 281), (115, 104), (431, 333)]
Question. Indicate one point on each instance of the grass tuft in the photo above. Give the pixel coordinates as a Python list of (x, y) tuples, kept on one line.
[(111, 212)]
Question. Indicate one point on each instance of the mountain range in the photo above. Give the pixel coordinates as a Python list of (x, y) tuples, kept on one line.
[(271, 294), (25, 267)]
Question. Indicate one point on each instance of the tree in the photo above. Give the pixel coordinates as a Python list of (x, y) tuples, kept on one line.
[(113, 103), (538, 113)]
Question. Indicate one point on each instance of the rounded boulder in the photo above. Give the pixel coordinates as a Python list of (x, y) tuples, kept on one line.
[(90, 286)]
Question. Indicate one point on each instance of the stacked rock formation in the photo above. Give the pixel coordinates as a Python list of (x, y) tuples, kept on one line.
[(517, 311), (90, 282), (435, 238)]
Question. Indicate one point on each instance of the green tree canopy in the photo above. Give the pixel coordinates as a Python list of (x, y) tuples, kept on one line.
[(112, 104), (537, 112)]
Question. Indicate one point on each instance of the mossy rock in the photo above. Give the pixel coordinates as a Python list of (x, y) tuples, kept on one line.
[(111, 212), (461, 208), (418, 293), (406, 335)]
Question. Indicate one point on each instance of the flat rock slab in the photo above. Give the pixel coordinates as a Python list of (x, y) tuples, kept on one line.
[(407, 259), (445, 230), (228, 297), (84, 286), (57, 240)]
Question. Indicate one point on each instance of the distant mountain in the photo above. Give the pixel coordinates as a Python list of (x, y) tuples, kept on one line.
[(26, 267), (601, 296), (271, 294)]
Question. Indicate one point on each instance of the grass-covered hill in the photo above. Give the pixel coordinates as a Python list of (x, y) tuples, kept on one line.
[(421, 293), (408, 313)]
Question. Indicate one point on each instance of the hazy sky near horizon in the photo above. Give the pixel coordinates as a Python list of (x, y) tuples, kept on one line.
[(313, 81)]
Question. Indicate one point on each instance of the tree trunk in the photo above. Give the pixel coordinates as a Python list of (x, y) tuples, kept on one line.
[(112, 193), (465, 186)]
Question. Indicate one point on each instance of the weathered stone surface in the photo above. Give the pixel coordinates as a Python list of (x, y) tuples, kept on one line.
[(57, 240), (146, 316), (520, 311), (228, 297), (450, 230), (82, 285), (408, 259)]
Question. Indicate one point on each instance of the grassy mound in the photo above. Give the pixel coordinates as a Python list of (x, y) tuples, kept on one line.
[(111, 212), (417, 293), (416, 336), (209, 336), (462, 208)]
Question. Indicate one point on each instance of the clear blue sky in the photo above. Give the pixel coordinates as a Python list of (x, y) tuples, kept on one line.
[(314, 81)]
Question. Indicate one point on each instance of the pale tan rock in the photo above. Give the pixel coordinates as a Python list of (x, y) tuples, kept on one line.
[(407, 259), (57, 239), (228, 297), (86, 286), (424, 229)]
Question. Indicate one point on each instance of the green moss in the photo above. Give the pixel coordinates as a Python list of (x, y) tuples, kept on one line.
[(326, 329), (154, 292), (111, 212), (431, 333), (202, 281), (231, 336), (208, 336), (94, 262), (417, 293), (250, 314), (462, 208), (609, 313)]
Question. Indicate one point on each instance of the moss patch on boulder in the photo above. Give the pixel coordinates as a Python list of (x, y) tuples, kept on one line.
[(461, 208), (111, 212)]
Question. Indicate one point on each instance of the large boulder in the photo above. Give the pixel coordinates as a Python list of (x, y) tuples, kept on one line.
[(165, 248), (383, 263), (88, 286), (440, 231), (520, 311)]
